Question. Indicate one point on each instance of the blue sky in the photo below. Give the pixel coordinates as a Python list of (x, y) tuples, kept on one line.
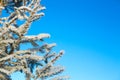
[(89, 32)]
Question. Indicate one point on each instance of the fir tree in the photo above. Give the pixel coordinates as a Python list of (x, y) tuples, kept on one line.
[(36, 62)]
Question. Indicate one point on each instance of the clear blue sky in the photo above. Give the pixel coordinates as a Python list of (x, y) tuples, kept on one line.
[(89, 32)]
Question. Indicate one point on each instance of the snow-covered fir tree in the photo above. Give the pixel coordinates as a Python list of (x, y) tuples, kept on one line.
[(36, 62)]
